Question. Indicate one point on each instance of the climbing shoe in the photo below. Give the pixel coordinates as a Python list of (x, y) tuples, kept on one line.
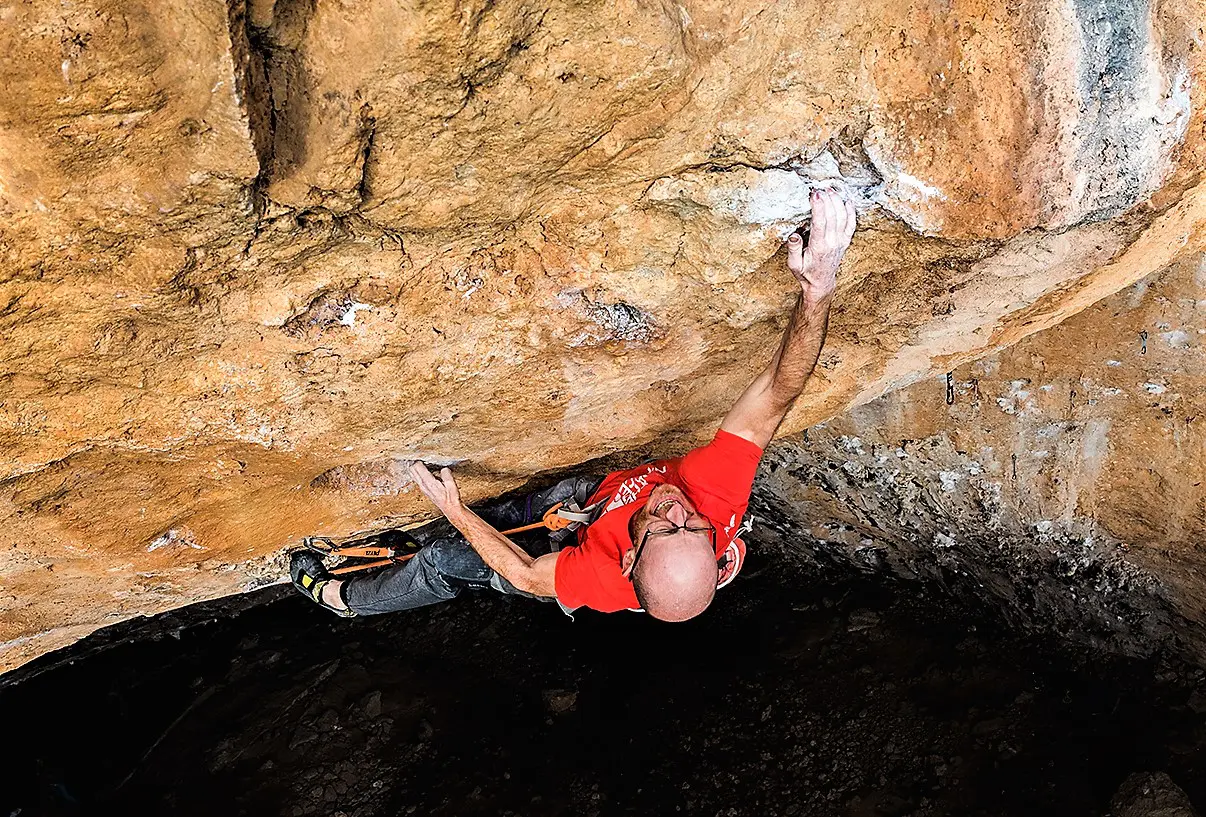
[(310, 577)]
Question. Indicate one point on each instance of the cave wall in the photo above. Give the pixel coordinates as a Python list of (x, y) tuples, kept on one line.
[(1060, 481), (257, 256)]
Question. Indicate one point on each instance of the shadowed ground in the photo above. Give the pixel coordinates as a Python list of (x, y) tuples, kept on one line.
[(784, 699)]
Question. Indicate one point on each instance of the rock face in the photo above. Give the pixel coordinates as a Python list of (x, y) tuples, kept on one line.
[(257, 256), (1060, 480)]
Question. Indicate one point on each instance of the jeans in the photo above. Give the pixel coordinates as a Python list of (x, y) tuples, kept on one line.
[(447, 563)]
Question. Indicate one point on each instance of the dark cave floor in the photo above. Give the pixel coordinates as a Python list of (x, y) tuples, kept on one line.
[(784, 699)]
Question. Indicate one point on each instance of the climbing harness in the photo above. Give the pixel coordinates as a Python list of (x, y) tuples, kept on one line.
[(561, 517), (368, 551)]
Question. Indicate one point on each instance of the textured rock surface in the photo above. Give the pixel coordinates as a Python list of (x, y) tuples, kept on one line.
[(1063, 482), (1151, 794), (256, 256)]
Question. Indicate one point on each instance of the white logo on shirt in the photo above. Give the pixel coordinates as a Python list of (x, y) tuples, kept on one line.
[(630, 489)]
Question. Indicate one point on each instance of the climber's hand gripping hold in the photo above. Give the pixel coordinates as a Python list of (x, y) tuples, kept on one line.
[(442, 490), (815, 267), (761, 408), (526, 573)]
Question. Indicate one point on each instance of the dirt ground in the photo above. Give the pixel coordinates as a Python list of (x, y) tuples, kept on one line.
[(786, 698)]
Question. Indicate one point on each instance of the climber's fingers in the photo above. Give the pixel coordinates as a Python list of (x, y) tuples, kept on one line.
[(423, 478), (820, 218), (442, 492), (833, 222), (837, 216), (830, 218), (450, 487), (795, 253)]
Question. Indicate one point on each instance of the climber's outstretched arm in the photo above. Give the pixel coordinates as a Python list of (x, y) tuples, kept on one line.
[(530, 574), (761, 408)]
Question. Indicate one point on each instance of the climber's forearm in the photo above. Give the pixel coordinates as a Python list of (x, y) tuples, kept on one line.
[(799, 351), (761, 408), (503, 556)]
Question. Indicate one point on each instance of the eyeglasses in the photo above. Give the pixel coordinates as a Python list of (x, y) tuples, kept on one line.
[(670, 531)]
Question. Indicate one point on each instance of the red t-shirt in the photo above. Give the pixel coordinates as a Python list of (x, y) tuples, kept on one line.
[(717, 478)]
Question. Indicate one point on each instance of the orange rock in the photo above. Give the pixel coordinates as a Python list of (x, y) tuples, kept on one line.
[(249, 245)]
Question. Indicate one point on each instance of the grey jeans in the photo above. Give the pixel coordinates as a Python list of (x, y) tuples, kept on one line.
[(447, 563)]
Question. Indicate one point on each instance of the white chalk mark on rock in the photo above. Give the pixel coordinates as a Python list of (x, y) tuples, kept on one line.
[(348, 318), (174, 536)]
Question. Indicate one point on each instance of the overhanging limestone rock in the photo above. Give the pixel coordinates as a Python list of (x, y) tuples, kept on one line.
[(247, 244)]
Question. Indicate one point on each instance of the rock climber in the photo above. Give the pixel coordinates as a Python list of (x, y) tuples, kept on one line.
[(662, 537)]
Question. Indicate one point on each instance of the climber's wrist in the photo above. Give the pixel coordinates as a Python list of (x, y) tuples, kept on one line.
[(816, 300), (458, 514)]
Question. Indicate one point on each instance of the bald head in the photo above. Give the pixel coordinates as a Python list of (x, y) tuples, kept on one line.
[(676, 577)]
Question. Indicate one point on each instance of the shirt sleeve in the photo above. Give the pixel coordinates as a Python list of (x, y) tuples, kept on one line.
[(572, 577), (724, 468), (581, 579)]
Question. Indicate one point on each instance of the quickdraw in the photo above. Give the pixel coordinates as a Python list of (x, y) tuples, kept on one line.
[(356, 555), (366, 551)]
